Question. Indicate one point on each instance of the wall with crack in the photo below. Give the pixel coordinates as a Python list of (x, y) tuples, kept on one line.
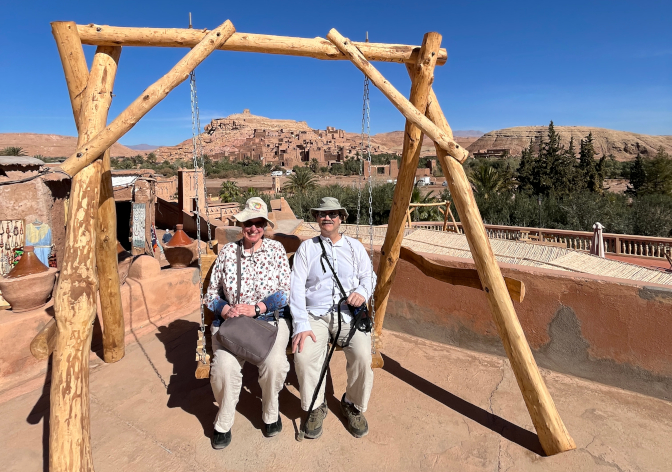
[(608, 330)]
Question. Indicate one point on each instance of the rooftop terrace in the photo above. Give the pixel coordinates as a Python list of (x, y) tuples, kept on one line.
[(434, 407)]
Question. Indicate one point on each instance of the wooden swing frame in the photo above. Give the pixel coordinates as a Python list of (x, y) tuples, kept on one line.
[(89, 264)]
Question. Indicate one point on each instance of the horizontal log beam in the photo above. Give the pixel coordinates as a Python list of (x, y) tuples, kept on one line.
[(44, 342), (96, 146), (318, 48), (454, 276), (427, 204)]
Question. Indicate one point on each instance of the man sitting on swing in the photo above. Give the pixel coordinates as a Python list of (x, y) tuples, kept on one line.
[(327, 269)]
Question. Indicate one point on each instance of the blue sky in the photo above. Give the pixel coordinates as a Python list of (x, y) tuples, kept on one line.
[(591, 63)]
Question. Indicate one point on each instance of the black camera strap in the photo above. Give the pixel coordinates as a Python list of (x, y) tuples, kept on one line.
[(357, 315)]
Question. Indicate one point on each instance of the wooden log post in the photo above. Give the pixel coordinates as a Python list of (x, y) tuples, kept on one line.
[(75, 295), (553, 434), (74, 64), (389, 253), (44, 343), (318, 48), (92, 149), (445, 217), (99, 92), (402, 104)]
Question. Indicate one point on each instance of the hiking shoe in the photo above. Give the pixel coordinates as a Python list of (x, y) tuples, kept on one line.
[(220, 440), (314, 423), (357, 424), (272, 429)]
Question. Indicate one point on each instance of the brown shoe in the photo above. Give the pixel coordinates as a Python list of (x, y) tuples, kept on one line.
[(357, 424), (314, 423)]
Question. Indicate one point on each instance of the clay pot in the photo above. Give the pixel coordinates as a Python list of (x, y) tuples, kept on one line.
[(28, 292), (179, 251), (29, 264)]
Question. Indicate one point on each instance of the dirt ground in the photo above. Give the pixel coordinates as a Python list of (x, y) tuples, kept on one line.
[(433, 407)]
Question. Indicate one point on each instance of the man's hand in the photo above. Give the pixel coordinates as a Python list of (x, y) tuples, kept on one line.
[(355, 299), (241, 310), (299, 339)]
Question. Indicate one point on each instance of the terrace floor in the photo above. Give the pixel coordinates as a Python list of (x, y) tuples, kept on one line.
[(433, 407)]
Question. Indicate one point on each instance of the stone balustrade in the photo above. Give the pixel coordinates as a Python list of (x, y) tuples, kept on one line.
[(620, 244)]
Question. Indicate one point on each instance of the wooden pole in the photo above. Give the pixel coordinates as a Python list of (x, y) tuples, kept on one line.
[(44, 343), (74, 64), (75, 296), (98, 144), (445, 217), (553, 435), (410, 156), (406, 108), (99, 91), (457, 230), (318, 48), (453, 276)]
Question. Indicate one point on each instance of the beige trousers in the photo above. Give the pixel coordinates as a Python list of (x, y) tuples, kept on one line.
[(308, 363), (226, 379)]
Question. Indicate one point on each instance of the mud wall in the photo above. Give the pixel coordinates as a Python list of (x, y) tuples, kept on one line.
[(611, 331), (41, 198)]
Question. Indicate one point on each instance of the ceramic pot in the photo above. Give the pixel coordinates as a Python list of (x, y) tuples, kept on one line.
[(28, 292), (29, 264), (179, 251)]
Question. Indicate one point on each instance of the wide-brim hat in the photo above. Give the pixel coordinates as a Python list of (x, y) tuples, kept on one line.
[(330, 204), (255, 207)]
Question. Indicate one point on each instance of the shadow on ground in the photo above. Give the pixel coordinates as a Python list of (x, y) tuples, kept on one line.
[(499, 425)]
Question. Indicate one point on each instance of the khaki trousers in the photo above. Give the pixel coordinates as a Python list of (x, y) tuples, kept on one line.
[(308, 363), (226, 379)]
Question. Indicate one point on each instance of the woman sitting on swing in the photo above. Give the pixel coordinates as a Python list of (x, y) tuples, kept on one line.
[(264, 293)]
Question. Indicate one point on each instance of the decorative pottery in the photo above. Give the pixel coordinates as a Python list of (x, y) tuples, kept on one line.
[(180, 249), (29, 264), (28, 292)]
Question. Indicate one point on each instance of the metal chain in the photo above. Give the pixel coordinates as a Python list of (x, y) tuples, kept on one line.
[(361, 156), (197, 155)]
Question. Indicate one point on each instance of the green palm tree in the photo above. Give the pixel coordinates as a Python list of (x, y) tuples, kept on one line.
[(13, 151), (301, 182), (229, 192), (488, 182)]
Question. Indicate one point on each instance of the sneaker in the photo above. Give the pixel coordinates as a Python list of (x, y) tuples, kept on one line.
[(314, 423), (272, 429), (220, 440), (357, 424)]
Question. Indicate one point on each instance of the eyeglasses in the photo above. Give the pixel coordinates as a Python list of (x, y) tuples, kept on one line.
[(331, 214), (256, 223)]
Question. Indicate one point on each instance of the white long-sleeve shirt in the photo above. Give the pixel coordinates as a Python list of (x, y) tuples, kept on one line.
[(314, 291)]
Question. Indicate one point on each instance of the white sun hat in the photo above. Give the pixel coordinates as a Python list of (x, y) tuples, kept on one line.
[(255, 207)]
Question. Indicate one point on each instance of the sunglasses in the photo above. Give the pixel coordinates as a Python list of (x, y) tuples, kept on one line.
[(256, 223), (331, 214)]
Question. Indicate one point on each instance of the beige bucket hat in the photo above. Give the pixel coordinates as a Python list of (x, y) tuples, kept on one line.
[(330, 204), (255, 207)]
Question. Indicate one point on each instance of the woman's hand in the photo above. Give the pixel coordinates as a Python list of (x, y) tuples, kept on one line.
[(242, 310)]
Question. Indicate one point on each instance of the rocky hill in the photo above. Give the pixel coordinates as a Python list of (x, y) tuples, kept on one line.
[(226, 135), (622, 144), (54, 145), (394, 142)]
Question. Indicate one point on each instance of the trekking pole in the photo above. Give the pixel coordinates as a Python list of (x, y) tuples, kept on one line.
[(325, 366)]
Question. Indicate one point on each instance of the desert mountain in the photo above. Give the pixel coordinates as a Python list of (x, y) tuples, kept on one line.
[(54, 145), (228, 135), (622, 144), (393, 142)]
